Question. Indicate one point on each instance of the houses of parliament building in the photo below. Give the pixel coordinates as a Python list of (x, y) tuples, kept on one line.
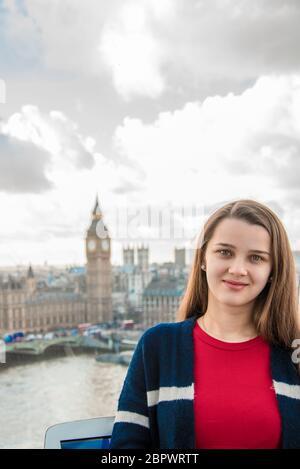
[(30, 307)]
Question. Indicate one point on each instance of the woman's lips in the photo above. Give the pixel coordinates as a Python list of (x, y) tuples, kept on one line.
[(234, 286)]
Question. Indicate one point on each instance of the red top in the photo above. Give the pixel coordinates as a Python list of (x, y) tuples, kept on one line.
[(235, 404)]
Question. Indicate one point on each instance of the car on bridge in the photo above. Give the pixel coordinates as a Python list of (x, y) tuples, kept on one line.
[(30, 337), (49, 336), (14, 337)]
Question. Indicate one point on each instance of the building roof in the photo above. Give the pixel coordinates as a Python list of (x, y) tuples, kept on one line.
[(165, 286), (12, 283), (58, 297)]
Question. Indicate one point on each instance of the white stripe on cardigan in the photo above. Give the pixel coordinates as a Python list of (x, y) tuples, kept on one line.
[(132, 417), (172, 393), (288, 390)]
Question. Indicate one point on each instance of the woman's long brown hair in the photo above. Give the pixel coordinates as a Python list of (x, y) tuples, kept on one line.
[(276, 311)]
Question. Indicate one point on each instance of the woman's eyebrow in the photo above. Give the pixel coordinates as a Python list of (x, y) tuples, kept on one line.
[(234, 247)]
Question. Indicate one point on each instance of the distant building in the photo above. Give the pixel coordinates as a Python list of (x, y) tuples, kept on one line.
[(98, 270), (143, 258), (161, 299), (180, 258), (25, 307), (128, 256), (131, 279), (33, 305)]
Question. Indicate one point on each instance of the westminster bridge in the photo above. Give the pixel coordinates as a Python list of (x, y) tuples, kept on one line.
[(42, 348)]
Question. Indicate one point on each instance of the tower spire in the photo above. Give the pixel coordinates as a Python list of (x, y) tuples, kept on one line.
[(30, 272), (97, 223), (97, 214)]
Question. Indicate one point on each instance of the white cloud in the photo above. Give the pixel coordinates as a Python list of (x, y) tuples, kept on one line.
[(67, 32), (131, 50), (23, 166), (87, 38), (54, 134), (151, 47), (224, 146)]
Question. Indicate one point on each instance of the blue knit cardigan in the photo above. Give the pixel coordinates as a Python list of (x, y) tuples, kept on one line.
[(156, 404)]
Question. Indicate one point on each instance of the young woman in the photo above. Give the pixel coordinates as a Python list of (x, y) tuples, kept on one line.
[(227, 373)]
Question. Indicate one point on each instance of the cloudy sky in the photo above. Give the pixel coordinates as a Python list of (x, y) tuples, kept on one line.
[(149, 103)]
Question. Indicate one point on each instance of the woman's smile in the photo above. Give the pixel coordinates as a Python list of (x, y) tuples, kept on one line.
[(234, 286)]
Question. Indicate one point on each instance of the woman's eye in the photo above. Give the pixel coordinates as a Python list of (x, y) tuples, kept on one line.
[(223, 250), (258, 258)]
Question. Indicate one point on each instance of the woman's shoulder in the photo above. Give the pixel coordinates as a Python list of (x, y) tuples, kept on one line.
[(165, 329)]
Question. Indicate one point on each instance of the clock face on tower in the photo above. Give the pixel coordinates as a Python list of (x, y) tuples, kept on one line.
[(105, 245), (91, 245)]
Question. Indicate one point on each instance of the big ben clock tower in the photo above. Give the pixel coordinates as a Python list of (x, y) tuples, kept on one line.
[(98, 270)]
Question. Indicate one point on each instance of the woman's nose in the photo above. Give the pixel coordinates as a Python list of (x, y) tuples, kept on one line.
[(237, 267)]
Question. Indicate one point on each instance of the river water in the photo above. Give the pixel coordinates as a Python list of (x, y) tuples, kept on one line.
[(37, 395)]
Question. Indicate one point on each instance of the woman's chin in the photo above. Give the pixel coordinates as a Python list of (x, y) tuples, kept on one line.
[(232, 300)]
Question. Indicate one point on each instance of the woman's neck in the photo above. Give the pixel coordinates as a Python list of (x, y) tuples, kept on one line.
[(232, 328)]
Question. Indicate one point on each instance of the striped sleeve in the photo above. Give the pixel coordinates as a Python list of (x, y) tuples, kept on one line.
[(131, 427)]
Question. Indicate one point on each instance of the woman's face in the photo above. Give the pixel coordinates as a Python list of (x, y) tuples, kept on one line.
[(239, 262)]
